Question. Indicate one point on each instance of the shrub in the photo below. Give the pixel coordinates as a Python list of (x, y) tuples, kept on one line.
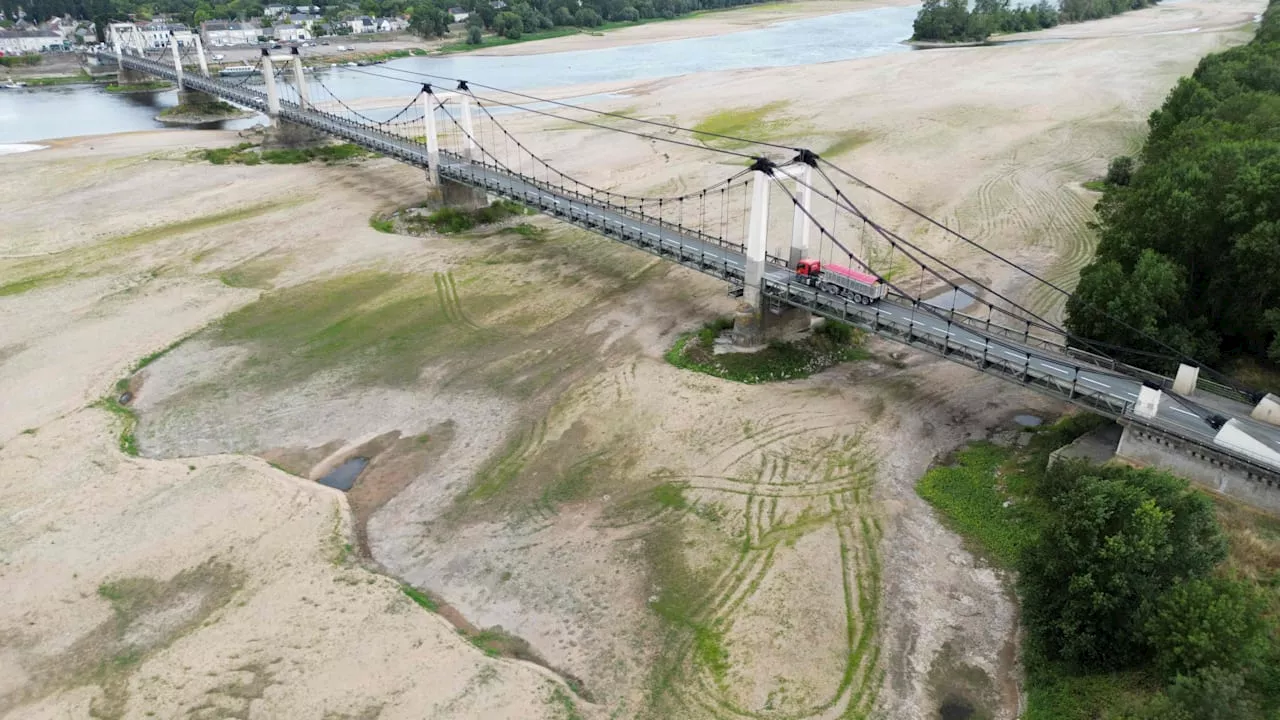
[(1200, 624), (1120, 170), (1118, 539), (474, 36)]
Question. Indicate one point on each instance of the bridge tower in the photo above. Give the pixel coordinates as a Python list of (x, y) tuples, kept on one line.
[(282, 133), (758, 319), (442, 189)]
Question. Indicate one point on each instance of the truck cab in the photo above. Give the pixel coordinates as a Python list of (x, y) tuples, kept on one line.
[(808, 269)]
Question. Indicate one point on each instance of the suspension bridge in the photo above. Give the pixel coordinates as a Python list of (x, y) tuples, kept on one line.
[(456, 135)]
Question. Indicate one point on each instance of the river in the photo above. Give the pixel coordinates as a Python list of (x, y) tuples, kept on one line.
[(40, 114)]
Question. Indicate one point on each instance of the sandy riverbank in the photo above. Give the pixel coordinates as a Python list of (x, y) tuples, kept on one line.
[(528, 441)]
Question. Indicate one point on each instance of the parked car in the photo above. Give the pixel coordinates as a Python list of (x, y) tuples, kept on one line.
[(218, 56)]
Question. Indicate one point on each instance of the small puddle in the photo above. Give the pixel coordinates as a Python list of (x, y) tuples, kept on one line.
[(344, 476), (955, 710), (957, 299), (1027, 420)]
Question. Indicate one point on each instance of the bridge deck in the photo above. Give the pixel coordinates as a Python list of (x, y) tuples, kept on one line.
[(1041, 364)]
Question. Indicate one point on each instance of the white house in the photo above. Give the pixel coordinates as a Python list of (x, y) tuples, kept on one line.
[(17, 42), (459, 14), (290, 33), (362, 24), (306, 20), (221, 33), (156, 34), (389, 24)]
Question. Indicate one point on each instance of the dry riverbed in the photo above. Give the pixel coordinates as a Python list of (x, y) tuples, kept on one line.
[(659, 543)]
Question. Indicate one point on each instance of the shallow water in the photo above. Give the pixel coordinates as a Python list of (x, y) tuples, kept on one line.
[(67, 111), (344, 476)]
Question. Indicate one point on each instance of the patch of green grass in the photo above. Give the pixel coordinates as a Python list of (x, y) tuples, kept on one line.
[(382, 225), (563, 705), (148, 86), (420, 598), (17, 287), (669, 495), (254, 273), (248, 154), (451, 220), (970, 494), (749, 123), (779, 361), (202, 110), (381, 328), (128, 420), (53, 80), (847, 143), (1095, 185)]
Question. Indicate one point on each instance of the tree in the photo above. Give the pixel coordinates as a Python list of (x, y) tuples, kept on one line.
[(427, 20), (586, 17), (1214, 694), (1120, 170), (563, 16), (1205, 623), (628, 14), (474, 36), (1118, 539)]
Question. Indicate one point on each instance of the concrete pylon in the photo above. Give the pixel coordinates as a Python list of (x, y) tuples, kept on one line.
[(1148, 403), (802, 222), (300, 80), (1185, 382), (757, 238), (1267, 410), (269, 79), (177, 57), (467, 127), (433, 141), (204, 64)]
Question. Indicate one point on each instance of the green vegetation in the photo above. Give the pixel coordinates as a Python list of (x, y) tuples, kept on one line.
[(381, 327), (256, 272), (562, 702), (1095, 185), (382, 225), (1189, 247), (20, 60), (147, 86), (741, 122), (250, 154), (1131, 611), (831, 344), (52, 80), (952, 21), (203, 110), (128, 423), (451, 220), (420, 598)]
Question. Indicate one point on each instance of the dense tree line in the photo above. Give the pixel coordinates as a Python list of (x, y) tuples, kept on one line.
[(1189, 246), (1126, 575), (954, 21)]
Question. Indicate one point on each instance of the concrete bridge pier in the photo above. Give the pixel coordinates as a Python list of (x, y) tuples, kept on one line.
[(756, 322), (282, 133), (442, 190)]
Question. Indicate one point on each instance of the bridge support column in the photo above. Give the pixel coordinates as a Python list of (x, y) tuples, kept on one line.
[(204, 64), (467, 128), (1148, 403), (1268, 410), (300, 81), (749, 323), (177, 57), (269, 79), (801, 223), (433, 141), (1185, 382)]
